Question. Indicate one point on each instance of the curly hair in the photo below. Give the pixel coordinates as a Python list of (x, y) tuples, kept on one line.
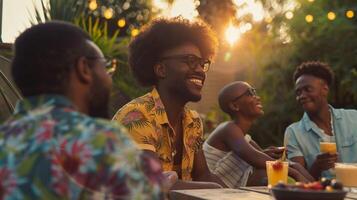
[(164, 34), (317, 69), (44, 55)]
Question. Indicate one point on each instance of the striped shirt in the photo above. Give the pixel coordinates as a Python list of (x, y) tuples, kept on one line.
[(231, 169)]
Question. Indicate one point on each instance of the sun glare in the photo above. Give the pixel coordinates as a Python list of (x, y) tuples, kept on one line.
[(250, 7), (232, 34), (185, 8)]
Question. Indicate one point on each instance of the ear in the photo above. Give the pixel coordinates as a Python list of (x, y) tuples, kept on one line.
[(234, 107), (82, 71), (160, 70), (325, 90)]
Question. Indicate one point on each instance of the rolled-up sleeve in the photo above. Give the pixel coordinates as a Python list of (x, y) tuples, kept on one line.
[(293, 149)]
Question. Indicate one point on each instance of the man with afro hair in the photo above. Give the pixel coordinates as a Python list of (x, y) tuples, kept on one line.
[(172, 56), (320, 123)]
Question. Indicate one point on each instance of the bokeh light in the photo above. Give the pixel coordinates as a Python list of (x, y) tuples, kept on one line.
[(250, 7), (186, 8), (108, 13), (134, 32), (121, 22), (331, 16), (350, 14), (289, 15), (227, 56), (309, 18), (93, 5)]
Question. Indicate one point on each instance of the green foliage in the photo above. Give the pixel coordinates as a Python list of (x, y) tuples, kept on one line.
[(328, 41), (65, 10), (105, 34), (111, 46)]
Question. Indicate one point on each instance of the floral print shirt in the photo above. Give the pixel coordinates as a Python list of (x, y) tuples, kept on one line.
[(48, 150), (148, 125)]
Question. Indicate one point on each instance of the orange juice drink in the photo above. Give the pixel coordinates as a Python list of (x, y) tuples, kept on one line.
[(277, 171), (329, 147), (346, 173)]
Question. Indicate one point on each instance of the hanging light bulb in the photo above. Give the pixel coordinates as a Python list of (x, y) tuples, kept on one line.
[(121, 22), (309, 18), (331, 16), (108, 13), (93, 5), (350, 14), (134, 32)]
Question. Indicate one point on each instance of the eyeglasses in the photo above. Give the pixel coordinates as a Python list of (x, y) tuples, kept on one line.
[(110, 64), (191, 60), (250, 92)]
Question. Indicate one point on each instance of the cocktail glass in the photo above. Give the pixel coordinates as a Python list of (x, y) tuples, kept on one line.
[(277, 171), (328, 147), (346, 173)]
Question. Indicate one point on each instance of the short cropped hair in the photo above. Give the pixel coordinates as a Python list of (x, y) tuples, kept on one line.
[(164, 34), (44, 55), (315, 68)]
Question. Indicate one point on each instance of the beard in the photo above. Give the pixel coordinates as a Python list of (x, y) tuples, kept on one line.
[(99, 99)]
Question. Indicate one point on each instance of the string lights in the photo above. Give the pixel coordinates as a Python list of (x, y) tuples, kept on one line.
[(331, 16), (350, 14), (121, 23), (309, 18), (108, 13), (134, 32), (92, 5)]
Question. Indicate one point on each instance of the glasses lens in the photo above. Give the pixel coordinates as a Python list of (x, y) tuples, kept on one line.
[(206, 65), (194, 61), (252, 92)]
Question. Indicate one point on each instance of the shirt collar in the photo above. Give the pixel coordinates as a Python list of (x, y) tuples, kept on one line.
[(47, 100), (309, 124), (335, 113), (162, 118), (159, 108)]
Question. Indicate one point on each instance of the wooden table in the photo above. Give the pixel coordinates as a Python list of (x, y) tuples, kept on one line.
[(244, 193), (218, 194)]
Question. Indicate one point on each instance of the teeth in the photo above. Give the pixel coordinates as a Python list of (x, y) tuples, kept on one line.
[(196, 81), (259, 106)]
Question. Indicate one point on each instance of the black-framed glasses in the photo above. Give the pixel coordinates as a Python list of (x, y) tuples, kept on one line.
[(110, 64), (191, 60), (250, 92)]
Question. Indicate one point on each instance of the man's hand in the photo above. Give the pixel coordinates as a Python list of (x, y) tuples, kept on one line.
[(323, 161), (303, 175), (170, 179), (274, 152)]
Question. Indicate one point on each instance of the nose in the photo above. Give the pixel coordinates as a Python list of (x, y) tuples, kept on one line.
[(256, 97), (199, 70)]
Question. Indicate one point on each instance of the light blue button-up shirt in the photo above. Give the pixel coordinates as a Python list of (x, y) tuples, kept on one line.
[(303, 137)]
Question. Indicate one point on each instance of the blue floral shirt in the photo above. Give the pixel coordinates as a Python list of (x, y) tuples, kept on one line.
[(48, 150)]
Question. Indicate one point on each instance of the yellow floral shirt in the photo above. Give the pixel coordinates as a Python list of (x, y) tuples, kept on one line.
[(147, 123)]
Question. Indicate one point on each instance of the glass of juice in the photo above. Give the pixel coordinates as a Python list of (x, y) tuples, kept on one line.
[(328, 147), (277, 171), (346, 173)]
